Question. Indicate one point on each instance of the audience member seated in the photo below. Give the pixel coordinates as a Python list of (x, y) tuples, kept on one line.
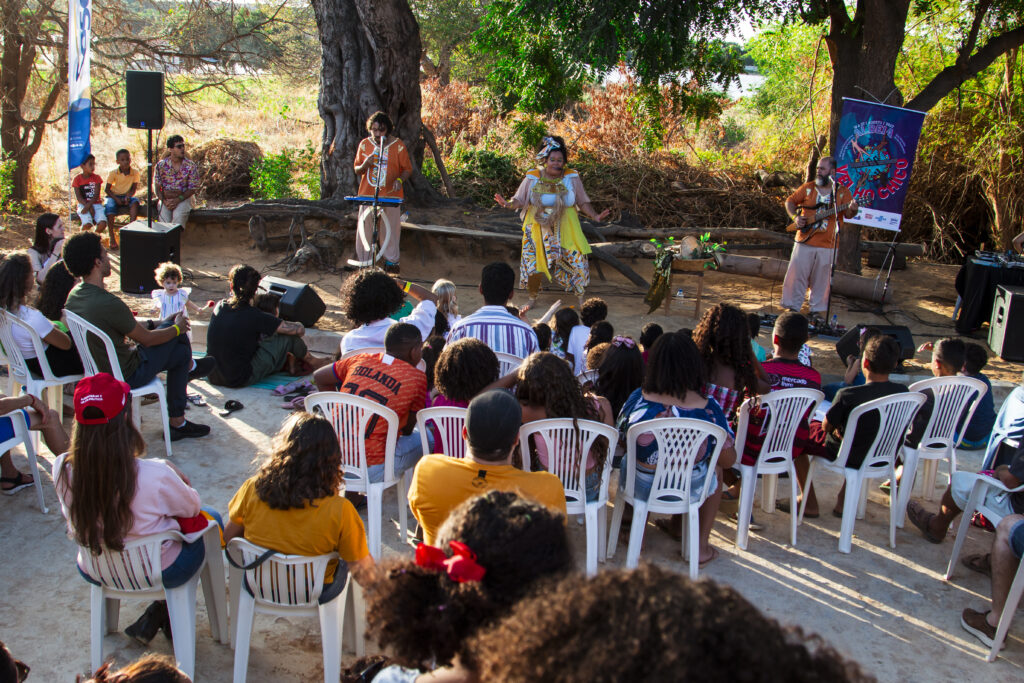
[(671, 388), (546, 388), (122, 183), (492, 550), (150, 668), (754, 324), (432, 349), (1009, 427), (464, 369), (592, 311), (250, 344), (11, 670), (392, 379), (648, 624), (975, 436), (601, 332), (947, 361), (853, 377), (39, 418), (881, 354), (176, 181), (491, 323), (1001, 566), (620, 373), (934, 526), (86, 186), (648, 335), (16, 282), (596, 354), (440, 484), (293, 504), (370, 297), (723, 339), (53, 294), (111, 495), (566, 320), (47, 245), (543, 333), (447, 305), (166, 349)]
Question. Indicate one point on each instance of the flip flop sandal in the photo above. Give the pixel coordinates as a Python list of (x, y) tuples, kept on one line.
[(922, 519), (979, 563), (230, 407), (17, 483), (297, 403), (714, 556), (291, 387), (196, 399)]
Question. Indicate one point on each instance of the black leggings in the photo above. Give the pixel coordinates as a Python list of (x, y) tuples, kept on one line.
[(62, 362)]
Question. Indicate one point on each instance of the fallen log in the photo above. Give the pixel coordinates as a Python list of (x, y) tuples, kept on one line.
[(902, 249), (846, 284)]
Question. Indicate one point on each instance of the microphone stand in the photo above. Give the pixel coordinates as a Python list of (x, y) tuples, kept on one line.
[(376, 203), (835, 247)]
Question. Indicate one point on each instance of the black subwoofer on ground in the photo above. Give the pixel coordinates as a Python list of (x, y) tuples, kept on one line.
[(299, 302), (847, 345), (1006, 328), (144, 99), (143, 248)]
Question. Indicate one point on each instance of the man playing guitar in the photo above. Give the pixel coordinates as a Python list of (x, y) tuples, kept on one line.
[(810, 264)]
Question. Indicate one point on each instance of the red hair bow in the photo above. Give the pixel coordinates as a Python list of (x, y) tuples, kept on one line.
[(461, 567)]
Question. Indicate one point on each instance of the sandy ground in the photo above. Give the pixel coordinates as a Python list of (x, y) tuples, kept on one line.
[(888, 609)]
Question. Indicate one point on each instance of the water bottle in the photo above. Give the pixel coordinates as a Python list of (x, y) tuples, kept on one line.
[(834, 323)]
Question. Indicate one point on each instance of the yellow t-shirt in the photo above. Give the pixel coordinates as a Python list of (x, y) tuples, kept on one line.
[(440, 484), (121, 183), (328, 524)]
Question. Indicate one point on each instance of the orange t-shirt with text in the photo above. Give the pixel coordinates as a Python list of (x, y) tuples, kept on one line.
[(807, 195), (388, 381), (398, 163)]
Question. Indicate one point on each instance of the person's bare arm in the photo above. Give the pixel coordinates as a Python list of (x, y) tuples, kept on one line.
[(325, 379), (80, 196), (364, 571), (506, 382), (58, 339), (233, 530), (728, 458), (588, 210), (416, 291), (793, 211), (410, 424), (132, 190), (852, 368), (162, 335), (291, 328), (1003, 474), (109, 190)]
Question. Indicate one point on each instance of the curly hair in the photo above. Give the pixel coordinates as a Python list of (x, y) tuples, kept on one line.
[(150, 668), (81, 252), (620, 373), (53, 293), (424, 617), (674, 366), (370, 295), (723, 336), (664, 628), (168, 269), (304, 463), (592, 311), (15, 271), (596, 354), (464, 368)]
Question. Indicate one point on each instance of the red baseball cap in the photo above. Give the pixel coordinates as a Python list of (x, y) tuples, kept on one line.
[(101, 391)]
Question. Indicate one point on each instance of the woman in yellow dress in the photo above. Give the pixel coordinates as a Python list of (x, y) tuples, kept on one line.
[(554, 246)]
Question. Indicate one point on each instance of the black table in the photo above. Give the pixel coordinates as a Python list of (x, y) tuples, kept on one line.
[(979, 278)]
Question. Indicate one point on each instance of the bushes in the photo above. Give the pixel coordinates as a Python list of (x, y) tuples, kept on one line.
[(287, 174), (8, 205)]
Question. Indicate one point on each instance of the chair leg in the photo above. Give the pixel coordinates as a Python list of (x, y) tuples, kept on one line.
[(792, 507), (910, 466), (769, 492), (181, 607), (354, 630), (748, 482), (331, 624), (162, 401), (977, 495), (590, 519), (931, 473), (850, 504), (113, 607), (402, 490), (893, 511), (243, 634), (98, 625), (234, 588), (692, 537), (613, 532), (1009, 608), (31, 451), (636, 534), (212, 578), (602, 532), (373, 512)]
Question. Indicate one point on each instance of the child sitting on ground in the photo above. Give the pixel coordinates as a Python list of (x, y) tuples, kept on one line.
[(979, 429), (122, 183), (86, 186), (172, 298)]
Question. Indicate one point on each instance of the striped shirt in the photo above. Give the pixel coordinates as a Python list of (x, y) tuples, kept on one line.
[(499, 329)]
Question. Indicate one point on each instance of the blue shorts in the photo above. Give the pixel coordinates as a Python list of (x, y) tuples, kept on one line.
[(7, 426), (1017, 539), (110, 207)]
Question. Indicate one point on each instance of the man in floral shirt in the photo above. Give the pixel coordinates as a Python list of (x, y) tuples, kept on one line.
[(177, 179)]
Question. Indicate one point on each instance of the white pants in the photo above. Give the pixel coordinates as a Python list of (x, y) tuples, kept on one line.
[(808, 267), (365, 228), (179, 216)]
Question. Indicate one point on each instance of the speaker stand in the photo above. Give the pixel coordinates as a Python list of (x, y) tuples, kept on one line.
[(149, 179)]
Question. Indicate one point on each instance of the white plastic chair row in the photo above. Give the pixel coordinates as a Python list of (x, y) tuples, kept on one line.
[(587, 377), (22, 437), (507, 363), (287, 586), (49, 388), (449, 422), (80, 330), (568, 446)]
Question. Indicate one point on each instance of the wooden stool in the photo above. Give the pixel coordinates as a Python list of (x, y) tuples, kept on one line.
[(687, 267)]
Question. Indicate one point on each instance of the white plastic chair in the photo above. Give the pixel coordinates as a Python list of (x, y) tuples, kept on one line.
[(568, 446), (287, 586), (49, 386), (507, 363), (449, 422), (587, 377), (350, 415), (22, 436), (894, 413), (135, 574), (956, 399), (368, 349), (976, 503), (679, 442), (80, 330), (785, 410)]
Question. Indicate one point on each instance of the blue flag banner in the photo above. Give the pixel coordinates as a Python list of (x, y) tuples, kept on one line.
[(79, 93), (875, 154)]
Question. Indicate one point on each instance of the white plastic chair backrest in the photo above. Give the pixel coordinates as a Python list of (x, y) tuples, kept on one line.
[(679, 441), (952, 396), (894, 415), (281, 580), (353, 417), (80, 330), (568, 446), (136, 568), (448, 421), (20, 428), (368, 349), (785, 410), (507, 363), (587, 376), (1009, 426), (16, 357)]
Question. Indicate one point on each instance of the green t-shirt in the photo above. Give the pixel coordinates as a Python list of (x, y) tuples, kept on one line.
[(110, 314)]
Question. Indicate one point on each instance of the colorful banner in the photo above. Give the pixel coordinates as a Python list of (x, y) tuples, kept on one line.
[(79, 94), (875, 153)]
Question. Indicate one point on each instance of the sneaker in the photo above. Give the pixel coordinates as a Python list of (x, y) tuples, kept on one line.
[(204, 366), (189, 430), (754, 524), (151, 621), (974, 623), (392, 268)]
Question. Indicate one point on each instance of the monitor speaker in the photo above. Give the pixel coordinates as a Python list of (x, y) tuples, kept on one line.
[(144, 99), (299, 302), (143, 248), (847, 344), (1007, 315)]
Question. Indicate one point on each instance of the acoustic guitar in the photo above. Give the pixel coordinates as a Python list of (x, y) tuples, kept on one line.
[(817, 217)]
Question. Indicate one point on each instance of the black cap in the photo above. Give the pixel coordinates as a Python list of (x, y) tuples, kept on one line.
[(492, 421)]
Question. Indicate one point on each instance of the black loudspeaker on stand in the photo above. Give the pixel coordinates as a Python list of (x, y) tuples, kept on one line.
[(299, 302), (847, 345), (1007, 316), (144, 99), (143, 248)]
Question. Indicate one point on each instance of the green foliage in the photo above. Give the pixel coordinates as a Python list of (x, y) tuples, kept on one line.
[(8, 205), (307, 161), (446, 26), (477, 173), (528, 133), (272, 176)]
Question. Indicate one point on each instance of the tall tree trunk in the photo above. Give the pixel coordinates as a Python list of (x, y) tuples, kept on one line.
[(1006, 220), (863, 52), (370, 53)]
